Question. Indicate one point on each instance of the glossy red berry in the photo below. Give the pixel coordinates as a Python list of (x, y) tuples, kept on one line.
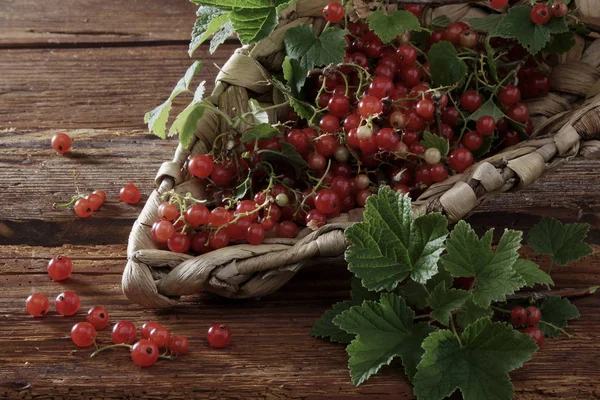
[(83, 334), (425, 108), (415, 9), (98, 317), (218, 336), (469, 38), (147, 327), (288, 229), (221, 175), (82, 208), (95, 201), (338, 105), (197, 215), (60, 268), (472, 140), (130, 194), (178, 345), (387, 139), (406, 55), (438, 172), (486, 125), (510, 95), (37, 305), (67, 303), (540, 14), (327, 201), (162, 231), (498, 3), (160, 336), (362, 196), (460, 159), (535, 334), (219, 217), (326, 145), (61, 143), (316, 161), (124, 332), (299, 140), (101, 194), (255, 234), (201, 166), (534, 315), (370, 106), (179, 243), (218, 239), (518, 112), (333, 12), (518, 315), (471, 101), (559, 9), (144, 353), (453, 32), (315, 218), (329, 123)]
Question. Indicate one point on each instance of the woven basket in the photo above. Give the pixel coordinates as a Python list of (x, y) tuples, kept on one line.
[(566, 125)]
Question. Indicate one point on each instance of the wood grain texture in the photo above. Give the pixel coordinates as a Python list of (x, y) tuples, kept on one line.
[(94, 87), (272, 355), (34, 177), (56, 22)]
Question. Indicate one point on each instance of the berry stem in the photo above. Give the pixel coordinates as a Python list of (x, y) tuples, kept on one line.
[(70, 203), (502, 310), (556, 327), (454, 330), (424, 316), (570, 292), (112, 346)]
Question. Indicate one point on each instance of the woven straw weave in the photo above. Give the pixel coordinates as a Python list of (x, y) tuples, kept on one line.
[(567, 124)]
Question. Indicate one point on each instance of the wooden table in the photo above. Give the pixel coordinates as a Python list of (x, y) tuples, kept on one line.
[(93, 69)]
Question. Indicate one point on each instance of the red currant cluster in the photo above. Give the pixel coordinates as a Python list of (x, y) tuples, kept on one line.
[(530, 317), (85, 205), (66, 303)]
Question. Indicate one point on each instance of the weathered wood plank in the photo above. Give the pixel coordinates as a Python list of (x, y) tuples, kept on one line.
[(52, 22), (94, 88), (33, 177), (271, 356)]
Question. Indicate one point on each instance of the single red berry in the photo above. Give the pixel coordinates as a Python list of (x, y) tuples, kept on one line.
[(326, 145), (327, 201), (329, 123), (221, 175), (370, 106), (438, 172), (469, 38), (497, 4), (288, 229), (98, 317), (178, 345), (406, 55), (518, 315), (218, 239), (535, 334), (201, 166), (160, 336), (423, 175), (415, 9), (338, 105), (510, 95), (197, 215), (315, 218), (471, 101), (82, 208), (130, 194), (60, 268), (67, 303), (425, 108), (534, 315), (387, 139), (255, 234), (124, 332), (147, 327), (162, 231), (472, 140), (540, 14), (94, 200), (453, 32), (486, 125), (510, 137), (199, 242), (559, 9), (179, 243), (37, 305), (450, 116), (219, 335), (299, 140), (168, 211), (100, 193), (61, 143), (219, 217), (144, 353), (333, 12), (83, 334), (460, 159), (362, 196), (518, 112)]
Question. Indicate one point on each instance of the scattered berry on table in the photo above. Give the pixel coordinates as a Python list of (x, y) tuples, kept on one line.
[(147, 327), (144, 353), (178, 345), (67, 303), (130, 194), (83, 334), (60, 268), (219, 336), (83, 208), (98, 317), (124, 332), (61, 143), (37, 305), (160, 336)]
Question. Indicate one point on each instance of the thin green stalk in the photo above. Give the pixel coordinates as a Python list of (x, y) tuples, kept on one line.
[(454, 331), (556, 327)]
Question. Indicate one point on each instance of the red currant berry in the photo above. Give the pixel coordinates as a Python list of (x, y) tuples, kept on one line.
[(218, 239), (510, 95), (168, 212), (333, 12), (288, 229), (147, 327), (425, 108), (559, 9), (370, 106), (406, 55), (329, 123), (362, 196), (198, 242), (326, 145), (415, 9), (60, 268), (539, 85), (221, 175), (124, 332), (540, 14), (470, 101), (162, 231), (201, 166), (401, 188), (315, 218), (144, 353), (37, 305), (381, 87), (469, 38), (82, 208), (197, 215), (510, 137), (218, 336), (460, 159), (387, 139), (83, 334), (453, 32), (298, 139), (486, 125), (67, 303), (338, 105), (534, 315), (352, 121), (535, 334), (472, 140), (255, 234), (98, 317), (438, 172), (518, 315), (101, 194), (450, 116), (327, 201), (423, 175), (436, 37), (342, 186), (160, 336), (130, 194), (179, 243), (316, 161), (497, 4), (178, 345), (219, 217), (518, 112), (411, 75), (398, 120), (61, 143), (94, 200)]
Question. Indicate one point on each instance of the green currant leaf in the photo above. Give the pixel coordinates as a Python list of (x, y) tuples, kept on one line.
[(388, 27), (485, 147), (186, 122), (490, 59), (259, 114), (225, 32), (531, 273), (157, 118), (565, 243), (488, 24), (446, 68), (440, 22), (560, 43), (556, 311), (384, 330), (471, 312), (359, 293), (388, 246), (259, 132), (416, 293), (478, 365), (325, 328), (210, 20), (287, 154), (444, 301), (468, 256), (436, 141), (489, 108)]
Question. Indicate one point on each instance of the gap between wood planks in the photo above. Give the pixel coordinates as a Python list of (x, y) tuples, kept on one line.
[(92, 45)]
